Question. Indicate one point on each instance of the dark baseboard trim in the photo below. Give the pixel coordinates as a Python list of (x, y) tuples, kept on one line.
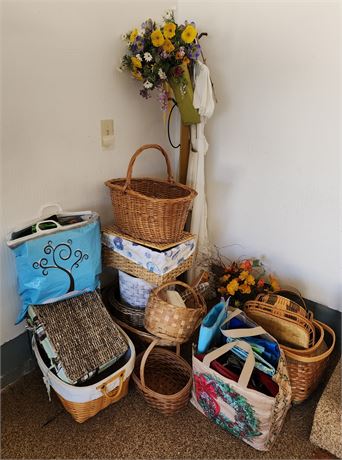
[(17, 358)]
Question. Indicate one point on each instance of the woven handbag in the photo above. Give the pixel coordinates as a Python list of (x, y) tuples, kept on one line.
[(172, 322), (150, 209), (163, 378), (289, 328)]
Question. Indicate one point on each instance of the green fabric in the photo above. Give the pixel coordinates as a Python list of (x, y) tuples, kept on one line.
[(189, 114)]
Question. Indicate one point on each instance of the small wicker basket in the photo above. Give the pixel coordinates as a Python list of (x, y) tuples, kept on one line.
[(163, 378), (171, 322), (125, 313), (150, 209)]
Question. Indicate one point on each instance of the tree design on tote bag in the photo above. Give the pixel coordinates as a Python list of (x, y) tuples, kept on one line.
[(208, 388), (58, 256)]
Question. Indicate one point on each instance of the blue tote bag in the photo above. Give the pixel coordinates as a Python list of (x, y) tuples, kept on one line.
[(61, 262)]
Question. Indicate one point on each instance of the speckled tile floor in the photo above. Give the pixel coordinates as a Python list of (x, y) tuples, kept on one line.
[(32, 427)]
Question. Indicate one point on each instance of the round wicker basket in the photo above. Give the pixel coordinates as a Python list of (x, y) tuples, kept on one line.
[(163, 378)]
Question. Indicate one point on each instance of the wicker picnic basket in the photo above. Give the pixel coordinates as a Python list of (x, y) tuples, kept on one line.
[(150, 209), (163, 378), (306, 367), (171, 322), (288, 327), (83, 402)]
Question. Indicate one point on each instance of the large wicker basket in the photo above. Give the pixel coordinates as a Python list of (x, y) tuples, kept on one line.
[(163, 378), (307, 367), (171, 322), (150, 209)]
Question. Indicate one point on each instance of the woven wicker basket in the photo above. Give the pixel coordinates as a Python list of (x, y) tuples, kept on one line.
[(86, 401), (113, 259), (306, 369), (289, 328), (168, 321), (163, 378), (125, 313), (150, 209)]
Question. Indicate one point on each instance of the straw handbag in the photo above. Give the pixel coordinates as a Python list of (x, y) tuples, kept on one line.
[(289, 328), (150, 209), (163, 378), (172, 322)]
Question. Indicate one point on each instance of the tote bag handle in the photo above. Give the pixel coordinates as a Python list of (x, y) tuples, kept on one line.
[(237, 333), (249, 363)]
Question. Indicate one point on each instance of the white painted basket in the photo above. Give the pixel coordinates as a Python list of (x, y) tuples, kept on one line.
[(86, 401), (134, 291)]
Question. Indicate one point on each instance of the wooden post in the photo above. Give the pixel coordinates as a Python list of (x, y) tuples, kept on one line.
[(184, 153)]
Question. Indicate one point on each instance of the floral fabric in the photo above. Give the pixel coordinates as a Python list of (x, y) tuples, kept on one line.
[(158, 262)]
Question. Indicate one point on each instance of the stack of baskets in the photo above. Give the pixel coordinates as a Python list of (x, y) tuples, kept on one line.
[(150, 249), (307, 343)]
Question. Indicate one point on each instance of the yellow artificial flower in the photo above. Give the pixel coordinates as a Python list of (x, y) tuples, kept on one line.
[(250, 280), (189, 34), (133, 35), (136, 74), (245, 288), (233, 286), (157, 38), (274, 283), (169, 30), (186, 60), (243, 275), (168, 46), (136, 62)]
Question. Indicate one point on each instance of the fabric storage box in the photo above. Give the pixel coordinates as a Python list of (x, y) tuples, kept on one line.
[(83, 402), (252, 416), (156, 258), (78, 336), (134, 291), (58, 260)]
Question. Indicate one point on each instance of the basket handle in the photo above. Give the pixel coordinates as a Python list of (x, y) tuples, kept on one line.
[(137, 153), (237, 333), (146, 355), (116, 392), (180, 283), (291, 291), (40, 230)]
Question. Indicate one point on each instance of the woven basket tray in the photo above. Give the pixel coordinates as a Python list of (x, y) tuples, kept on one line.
[(168, 321), (306, 369), (113, 259), (163, 378), (150, 209), (288, 328), (284, 299)]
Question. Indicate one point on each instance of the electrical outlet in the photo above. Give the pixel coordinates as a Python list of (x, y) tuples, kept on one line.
[(107, 133)]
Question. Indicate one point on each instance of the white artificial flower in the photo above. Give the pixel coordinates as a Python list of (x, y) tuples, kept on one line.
[(169, 14), (124, 37), (148, 57), (148, 84), (119, 69), (162, 74)]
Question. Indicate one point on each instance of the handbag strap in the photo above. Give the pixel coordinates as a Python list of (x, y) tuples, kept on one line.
[(137, 153), (236, 333), (249, 363)]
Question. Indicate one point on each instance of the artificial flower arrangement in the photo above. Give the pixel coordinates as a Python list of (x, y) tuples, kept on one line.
[(158, 56), (244, 280)]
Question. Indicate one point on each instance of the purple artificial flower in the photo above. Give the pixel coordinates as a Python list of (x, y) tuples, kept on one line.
[(194, 52), (164, 55), (145, 93), (138, 44), (163, 98), (147, 25)]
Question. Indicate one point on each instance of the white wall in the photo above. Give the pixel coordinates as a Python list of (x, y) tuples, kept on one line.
[(59, 81), (272, 165)]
